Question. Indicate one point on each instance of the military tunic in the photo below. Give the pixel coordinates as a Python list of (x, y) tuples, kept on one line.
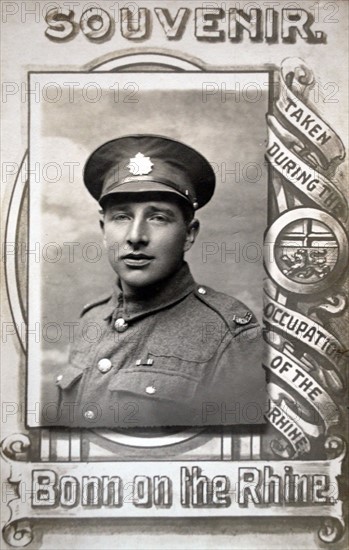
[(183, 356)]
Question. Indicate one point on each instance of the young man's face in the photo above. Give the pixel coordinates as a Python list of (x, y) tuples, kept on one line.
[(146, 238)]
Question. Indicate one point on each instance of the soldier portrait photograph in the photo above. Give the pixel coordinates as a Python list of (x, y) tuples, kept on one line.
[(149, 310)]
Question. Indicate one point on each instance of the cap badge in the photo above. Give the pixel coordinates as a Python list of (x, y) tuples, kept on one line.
[(140, 165)]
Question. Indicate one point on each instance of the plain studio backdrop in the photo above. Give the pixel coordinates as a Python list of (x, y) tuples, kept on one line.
[(72, 115)]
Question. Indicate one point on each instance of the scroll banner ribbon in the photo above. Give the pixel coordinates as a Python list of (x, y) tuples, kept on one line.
[(308, 123), (300, 381), (281, 420), (67, 490), (304, 330), (319, 189)]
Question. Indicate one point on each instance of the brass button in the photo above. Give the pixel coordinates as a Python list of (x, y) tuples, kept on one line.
[(120, 325), (201, 290), (150, 390), (104, 365), (59, 377), (89, 415)]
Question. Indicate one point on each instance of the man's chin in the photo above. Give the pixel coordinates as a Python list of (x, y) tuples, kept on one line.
[(138, 278)]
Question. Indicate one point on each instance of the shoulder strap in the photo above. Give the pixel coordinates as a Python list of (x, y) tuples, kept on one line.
[(236, 315)]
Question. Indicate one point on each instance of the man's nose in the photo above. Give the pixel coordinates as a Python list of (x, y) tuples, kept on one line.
[(137, 233)]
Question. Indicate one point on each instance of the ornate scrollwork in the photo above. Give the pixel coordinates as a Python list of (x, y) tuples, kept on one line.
[(16, 447), (18, 533), (331, 530), (335, 447)]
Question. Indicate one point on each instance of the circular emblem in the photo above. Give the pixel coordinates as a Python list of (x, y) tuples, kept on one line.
[(306, 250)]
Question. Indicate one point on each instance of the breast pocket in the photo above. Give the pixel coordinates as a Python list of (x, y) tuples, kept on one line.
[(74, 371), (154, 384), (156, 398), (69, 376)]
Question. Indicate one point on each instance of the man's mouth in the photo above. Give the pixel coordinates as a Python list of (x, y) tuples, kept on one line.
[(137, 259)]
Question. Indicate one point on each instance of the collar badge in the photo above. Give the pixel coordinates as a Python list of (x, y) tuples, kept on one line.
[(243, 320), (140, 165)]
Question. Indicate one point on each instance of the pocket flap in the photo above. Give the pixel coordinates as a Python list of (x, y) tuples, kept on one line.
[(155, 385), (69, 376)]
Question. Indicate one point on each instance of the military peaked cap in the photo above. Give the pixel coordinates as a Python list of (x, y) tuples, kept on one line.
[(145, 162)]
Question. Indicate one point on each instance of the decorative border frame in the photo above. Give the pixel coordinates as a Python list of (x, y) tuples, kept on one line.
[(305, 359)]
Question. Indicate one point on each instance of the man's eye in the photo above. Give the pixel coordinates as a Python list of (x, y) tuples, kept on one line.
[(120, 217), (159, 218)]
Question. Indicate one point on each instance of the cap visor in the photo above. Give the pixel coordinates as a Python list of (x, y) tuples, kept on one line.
[(141, 187)]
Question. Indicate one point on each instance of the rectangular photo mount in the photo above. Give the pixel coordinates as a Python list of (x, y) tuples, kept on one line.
[(171, 333)]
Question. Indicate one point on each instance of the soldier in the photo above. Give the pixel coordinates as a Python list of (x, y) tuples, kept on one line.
[(171, 351)]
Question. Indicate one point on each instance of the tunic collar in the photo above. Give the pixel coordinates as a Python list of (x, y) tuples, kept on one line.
[(158, 297)]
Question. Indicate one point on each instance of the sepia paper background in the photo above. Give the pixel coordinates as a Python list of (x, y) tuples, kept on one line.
[(25, 48)]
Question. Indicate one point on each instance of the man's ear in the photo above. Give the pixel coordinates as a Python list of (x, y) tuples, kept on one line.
[(192, 232)]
